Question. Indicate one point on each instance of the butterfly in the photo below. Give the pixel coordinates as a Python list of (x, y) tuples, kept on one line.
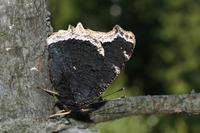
[(83, 63)]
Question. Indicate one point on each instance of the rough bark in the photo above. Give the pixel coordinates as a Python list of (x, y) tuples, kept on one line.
[(23, 65), (144, 105)]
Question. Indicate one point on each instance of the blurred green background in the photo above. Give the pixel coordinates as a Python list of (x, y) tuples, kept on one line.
[(165, 61)]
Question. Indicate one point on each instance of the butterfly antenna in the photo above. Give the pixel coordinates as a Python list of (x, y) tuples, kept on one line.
[(100, 99), (114, 92)]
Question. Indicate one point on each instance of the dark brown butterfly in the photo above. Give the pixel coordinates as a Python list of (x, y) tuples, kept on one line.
[(83, 62)]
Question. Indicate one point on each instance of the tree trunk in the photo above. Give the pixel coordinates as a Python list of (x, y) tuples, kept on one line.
[(23, 65)]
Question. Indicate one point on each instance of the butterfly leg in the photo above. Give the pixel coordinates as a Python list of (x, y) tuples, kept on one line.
[(60, 113), (51, 92)]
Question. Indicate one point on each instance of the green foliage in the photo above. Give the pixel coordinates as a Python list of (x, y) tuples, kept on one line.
[(131, 124), (166, 58)]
